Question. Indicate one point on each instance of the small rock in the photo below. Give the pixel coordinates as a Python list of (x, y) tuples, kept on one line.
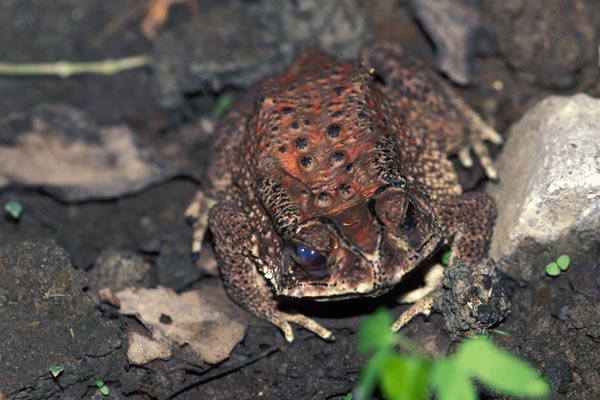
[(107, 296), (473, 300), (549, 188), (118, 270)]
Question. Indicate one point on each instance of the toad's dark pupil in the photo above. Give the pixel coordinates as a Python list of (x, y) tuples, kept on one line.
[(410, 218), (311, 261)]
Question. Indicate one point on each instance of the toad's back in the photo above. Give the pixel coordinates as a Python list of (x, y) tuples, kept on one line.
[(322, 131)]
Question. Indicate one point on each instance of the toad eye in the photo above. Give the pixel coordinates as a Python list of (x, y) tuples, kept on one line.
[(311, 261), (410, 217)]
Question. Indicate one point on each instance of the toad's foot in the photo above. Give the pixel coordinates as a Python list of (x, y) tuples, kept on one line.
[(480, 132), (423, 298), (422, 306), (197, 215), (282, 319)]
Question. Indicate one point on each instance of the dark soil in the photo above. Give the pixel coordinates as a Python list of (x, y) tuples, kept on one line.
[(554, 325)]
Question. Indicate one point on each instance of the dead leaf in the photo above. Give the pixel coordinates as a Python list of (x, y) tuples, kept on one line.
[(141, 350), (59, 149), (196, 318), (158, 13)]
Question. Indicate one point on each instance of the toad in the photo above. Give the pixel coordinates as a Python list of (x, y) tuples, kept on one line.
[(333, 180)]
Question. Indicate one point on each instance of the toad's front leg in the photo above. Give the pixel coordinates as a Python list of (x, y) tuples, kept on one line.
[(471, 295), (238, 254)]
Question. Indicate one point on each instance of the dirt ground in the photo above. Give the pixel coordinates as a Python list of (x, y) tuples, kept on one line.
[(150, 223)]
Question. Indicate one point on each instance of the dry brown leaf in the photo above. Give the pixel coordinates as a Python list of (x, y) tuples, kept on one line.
[(141, 350), (158, 13), (196, 318), (60, 149)]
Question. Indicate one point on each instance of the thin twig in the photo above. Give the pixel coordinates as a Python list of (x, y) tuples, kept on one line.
[(233, 368), (65, 69)]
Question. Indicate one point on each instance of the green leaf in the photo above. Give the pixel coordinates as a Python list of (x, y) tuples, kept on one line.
[(563, 262), (14, 209), (404, 378), (552, 269), (369, 374), (99, 383), (56, 370), (450, 382), (223, 104), (480, 358), (348, 396), (375, 332), (104, 390), (446, 258)]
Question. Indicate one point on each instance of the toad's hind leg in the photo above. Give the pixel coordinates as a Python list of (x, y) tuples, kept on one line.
[(228, 136), (238, 261), (430, 103)]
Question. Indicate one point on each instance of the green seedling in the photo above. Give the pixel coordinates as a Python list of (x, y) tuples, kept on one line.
[(561, 264), (102, 388), (409, 374), (56, 370), (552, 269), (446, 258), (223, 104), (13, 208)]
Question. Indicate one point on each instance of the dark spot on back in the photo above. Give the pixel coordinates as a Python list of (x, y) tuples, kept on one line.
[(306, 161), (338, 156), (301, 143), (287, 110), (333, 131)]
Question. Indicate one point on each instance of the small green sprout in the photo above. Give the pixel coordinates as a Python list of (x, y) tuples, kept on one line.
[(102, 388), (561, 264), (446, 258), (56, 370), (223, 104), (412, 375), (552, 269), (13, 208)]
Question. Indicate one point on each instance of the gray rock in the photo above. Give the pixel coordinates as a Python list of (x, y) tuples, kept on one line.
[(453, 26), (545, 42), (46, 319), (236, 43), (548, 197)]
